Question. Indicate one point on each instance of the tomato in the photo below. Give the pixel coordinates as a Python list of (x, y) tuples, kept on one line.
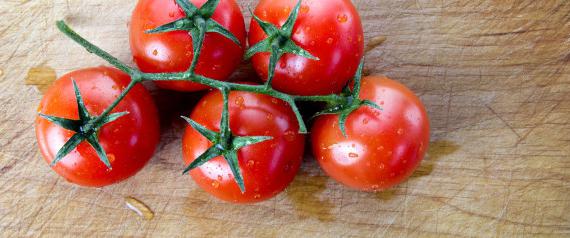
[(382, 148), (332, 32), (267, 167), (172, 51), (129, 141)]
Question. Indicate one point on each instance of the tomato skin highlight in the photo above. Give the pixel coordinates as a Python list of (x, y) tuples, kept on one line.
[(332, 32), (382, 148), (129, 142), (172, 51), (268, 167)]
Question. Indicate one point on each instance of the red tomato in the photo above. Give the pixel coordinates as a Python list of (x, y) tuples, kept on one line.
[(129, 141), (331, 31), (382, 148), (268, 167), (172, 51)]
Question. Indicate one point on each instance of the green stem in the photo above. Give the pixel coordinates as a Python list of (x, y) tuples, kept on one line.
[(197, 42), (134, 81), (188, 76), (331, 99)]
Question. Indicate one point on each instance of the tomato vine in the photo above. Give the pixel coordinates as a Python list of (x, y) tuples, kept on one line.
[(198, 23)]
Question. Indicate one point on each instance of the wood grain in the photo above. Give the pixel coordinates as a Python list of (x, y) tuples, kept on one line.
[(493, 74)]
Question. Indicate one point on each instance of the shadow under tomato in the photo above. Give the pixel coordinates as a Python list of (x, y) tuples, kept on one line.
[(172, 104), (245, 73), (437, 150), (303, 193), (386, 195)]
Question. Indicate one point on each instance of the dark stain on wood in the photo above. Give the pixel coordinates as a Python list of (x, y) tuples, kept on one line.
[(41, 77), (303, 194)]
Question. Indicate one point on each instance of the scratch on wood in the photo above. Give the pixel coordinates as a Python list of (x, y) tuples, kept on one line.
[(518, 32), (524, 137), (503, 120)]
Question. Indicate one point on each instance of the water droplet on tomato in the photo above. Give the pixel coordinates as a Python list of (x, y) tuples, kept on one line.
[(269, 116), (342, 18), (400, 131), (283, 64), (330, 40), (312, 43), (155, 52), (240, 101), (216, 184), (290, 136), (305, 9), (171, 14), (381, 166), (274, 100), (250, 163), (380, 148), (375, 187), (353, 155), (365, 121), (111, 157), (220, 178), (257, 196)]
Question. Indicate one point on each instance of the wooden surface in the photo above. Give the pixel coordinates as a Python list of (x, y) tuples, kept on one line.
[(493, 74)]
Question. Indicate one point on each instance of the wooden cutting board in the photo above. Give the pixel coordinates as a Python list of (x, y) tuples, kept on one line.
[(493, 74)]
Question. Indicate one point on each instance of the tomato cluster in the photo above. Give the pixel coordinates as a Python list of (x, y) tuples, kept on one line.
[(244, 142)]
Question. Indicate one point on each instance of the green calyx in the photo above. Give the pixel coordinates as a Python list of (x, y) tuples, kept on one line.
[(85, 128), (197, 22), (224, 143), (348, 101), (278, 42)]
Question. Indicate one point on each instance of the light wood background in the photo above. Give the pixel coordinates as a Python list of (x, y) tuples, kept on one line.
[(493, 74)]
